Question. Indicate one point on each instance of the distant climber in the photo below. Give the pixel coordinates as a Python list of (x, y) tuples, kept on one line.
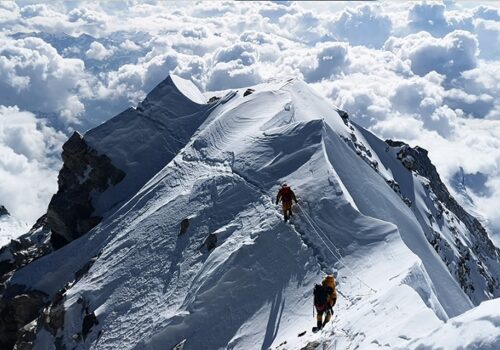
[(286, 196), (325, 297)]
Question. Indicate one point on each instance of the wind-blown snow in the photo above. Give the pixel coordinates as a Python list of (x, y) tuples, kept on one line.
[(220, 165)]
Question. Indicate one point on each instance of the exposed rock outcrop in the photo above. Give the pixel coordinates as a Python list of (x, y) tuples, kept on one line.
[(184, 226), (3, 211), (466, 261), (23, 250), (422, 165), (19, 307), (84, 173), (248, 92), (15, 313)]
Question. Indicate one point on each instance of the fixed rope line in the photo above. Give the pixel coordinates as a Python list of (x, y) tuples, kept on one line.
[(338, 255), (316, 228), (339, 258), (312, 223)]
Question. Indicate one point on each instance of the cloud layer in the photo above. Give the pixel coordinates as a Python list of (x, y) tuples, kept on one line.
[(29, 162), (424, 72)]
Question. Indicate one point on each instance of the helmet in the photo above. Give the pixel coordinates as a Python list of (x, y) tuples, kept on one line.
[(284, 184)]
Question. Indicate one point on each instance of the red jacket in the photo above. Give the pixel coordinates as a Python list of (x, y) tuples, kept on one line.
[(286, 195)]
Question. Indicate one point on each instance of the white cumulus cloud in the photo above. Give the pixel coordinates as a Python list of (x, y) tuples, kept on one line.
[(29, 163), (98, 51), (35, 77)]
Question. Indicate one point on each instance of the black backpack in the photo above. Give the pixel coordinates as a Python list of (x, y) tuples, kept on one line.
[(320, 295)]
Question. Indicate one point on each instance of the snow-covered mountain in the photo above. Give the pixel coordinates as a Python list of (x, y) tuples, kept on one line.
[(10, 227), (411, 264)]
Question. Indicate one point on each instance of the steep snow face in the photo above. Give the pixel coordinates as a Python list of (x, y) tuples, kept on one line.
[(220, 167), (142, 141), (456, 236)]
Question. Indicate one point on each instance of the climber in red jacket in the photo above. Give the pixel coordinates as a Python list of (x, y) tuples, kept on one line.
[(287, 196)]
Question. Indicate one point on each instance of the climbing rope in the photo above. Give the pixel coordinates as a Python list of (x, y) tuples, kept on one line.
[(337, 255)]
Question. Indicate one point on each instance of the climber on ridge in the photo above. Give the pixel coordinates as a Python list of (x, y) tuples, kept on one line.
[(325, 297), (286, 195)]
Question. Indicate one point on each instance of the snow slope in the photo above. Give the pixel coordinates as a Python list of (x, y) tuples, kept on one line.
[(478, 328), (11, 228), (220, 166)]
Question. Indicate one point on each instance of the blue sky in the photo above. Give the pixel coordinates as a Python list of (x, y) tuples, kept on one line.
[(424, 72)]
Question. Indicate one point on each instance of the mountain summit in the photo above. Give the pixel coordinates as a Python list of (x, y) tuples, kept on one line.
[(125, 262)]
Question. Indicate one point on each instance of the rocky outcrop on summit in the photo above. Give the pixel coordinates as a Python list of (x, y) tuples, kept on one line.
[(423, 166), (3, 211), (96, 163), (470, 256), (84, 173)]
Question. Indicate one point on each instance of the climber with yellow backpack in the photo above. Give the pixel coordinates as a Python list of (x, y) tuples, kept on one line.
[(325, 297)]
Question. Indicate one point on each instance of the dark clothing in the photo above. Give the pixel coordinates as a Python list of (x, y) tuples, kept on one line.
[(286, 196), (328, 282)]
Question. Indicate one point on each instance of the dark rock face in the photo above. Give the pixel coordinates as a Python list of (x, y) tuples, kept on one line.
[(344, 116), (3, 211), (423, 165), (211, 241), (84, 173), (184, 226), (16, 313), (23, 313), (213, 99), (89, 321), (248, 92), (19, 307), (23, 250)]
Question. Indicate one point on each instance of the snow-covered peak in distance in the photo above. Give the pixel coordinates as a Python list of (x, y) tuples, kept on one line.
[(365, 213), (10, 227)]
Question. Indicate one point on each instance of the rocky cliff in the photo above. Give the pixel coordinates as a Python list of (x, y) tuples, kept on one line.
[(84, 174), (465, 246), (3, 211)]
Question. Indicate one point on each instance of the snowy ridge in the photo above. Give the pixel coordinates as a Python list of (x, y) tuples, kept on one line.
[(166, 119), (220, 166)]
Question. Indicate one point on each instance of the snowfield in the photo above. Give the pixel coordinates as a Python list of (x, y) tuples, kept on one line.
[(11, 228), (220, 166)]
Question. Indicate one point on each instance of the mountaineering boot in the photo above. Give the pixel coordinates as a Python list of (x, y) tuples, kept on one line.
[(286, 218), (318, 326)]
